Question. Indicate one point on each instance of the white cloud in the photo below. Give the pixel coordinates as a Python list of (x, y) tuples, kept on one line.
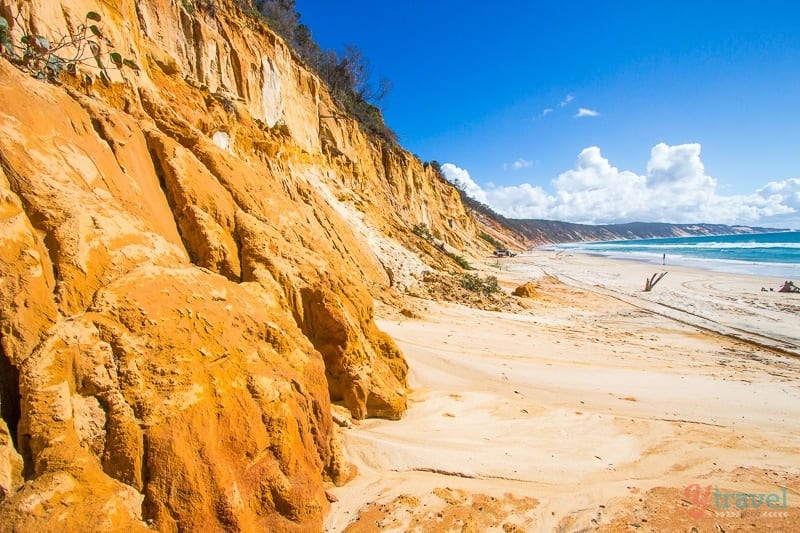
[(583, 112), (675, 188), (565, 102), (461, 178), (782, 193), (547, 111), (521, 163)]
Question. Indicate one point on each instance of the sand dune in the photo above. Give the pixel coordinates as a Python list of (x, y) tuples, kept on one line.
[(593, 409)]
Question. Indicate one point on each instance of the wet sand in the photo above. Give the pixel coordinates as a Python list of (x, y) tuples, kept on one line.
[(593, 409)]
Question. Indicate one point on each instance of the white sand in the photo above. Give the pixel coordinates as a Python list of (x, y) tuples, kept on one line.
[(724, 302), (591, 395)]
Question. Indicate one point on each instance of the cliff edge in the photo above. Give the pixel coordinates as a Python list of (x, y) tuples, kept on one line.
[(189, 256)]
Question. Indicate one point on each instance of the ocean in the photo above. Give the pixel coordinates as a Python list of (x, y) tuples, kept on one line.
[(762, 254)]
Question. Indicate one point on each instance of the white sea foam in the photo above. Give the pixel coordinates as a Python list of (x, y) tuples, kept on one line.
[(699, 245), (779, 259)]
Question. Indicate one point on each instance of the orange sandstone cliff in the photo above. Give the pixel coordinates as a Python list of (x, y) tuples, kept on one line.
[(188, 260)]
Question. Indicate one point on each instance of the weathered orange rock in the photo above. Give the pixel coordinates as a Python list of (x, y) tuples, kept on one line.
[(10, 463), (188, 258), (173, 395), (526, 290), (210, 403)]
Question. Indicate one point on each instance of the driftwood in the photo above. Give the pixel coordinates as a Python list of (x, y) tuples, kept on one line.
[(651, 282), (789, 286)]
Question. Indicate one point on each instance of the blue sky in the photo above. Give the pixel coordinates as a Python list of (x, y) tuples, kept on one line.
[(690, 109)]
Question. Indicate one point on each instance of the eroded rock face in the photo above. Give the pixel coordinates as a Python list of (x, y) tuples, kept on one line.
[(178, 307), (150, 389), (365, 368), (193, 409), (10, 463)]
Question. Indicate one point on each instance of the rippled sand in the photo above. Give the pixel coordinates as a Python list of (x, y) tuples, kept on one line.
[(595, 408)]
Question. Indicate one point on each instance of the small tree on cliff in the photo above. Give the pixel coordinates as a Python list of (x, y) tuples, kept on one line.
[(348, 77), (281, 15), (45, 58)]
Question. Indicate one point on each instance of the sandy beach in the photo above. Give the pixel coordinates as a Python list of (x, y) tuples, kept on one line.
[(599, 407)]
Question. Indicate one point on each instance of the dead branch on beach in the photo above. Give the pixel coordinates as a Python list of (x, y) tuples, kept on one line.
[(651, 282)]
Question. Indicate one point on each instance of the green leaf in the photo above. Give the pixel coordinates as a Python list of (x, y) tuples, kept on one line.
[(95, 48), (55, 64), (5, 36), (91, 15), (42, 42), (104, 77), (26, 39), (130, 64), (116, 58), (96, 31)]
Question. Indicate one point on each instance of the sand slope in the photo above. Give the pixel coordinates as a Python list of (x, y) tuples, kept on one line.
[(586, 411)]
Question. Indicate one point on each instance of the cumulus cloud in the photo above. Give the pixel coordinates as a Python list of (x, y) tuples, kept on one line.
[(583, 112), (786, 193), (547, 111), (565, 102), (461, 179), (521, 163), (674, 189)]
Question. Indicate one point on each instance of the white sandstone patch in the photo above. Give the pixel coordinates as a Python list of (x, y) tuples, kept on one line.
[(271, 92), (222, 139)]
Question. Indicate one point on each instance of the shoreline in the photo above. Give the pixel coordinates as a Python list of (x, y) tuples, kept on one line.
[(777, 270), (743, 266), (730, 304), (583, 410)]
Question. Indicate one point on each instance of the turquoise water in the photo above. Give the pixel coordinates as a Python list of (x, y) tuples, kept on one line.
[(765, 254)]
